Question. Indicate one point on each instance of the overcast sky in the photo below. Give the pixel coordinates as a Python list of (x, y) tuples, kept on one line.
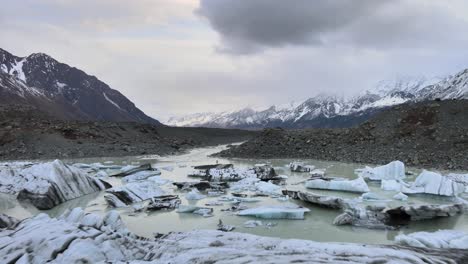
[(174, 57)]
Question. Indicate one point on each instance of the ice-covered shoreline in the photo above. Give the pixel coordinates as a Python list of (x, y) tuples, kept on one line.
[(83, 237)]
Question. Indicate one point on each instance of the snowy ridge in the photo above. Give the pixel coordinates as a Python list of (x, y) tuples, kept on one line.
[(313, 111)]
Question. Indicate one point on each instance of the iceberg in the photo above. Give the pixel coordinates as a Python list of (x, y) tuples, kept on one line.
[(48, 184), (132, 193), (194, 194), (255, 185), (130, 169), (225, 228), (319, 200), (300, 167), (276, 212), (166, 202), (390, 185), (380, 216), (141, 175), (203, 211), (441, 239), (317, 173), (369, 196), (400, 196), (202, 185), (252, 223), (357, 185), (395, 170), (434, 183), (227, 173)]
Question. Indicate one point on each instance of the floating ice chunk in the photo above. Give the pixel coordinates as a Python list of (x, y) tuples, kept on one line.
[(460, 178), (187, 208), (317, 173), (392, 185), (158, 180), (252, 223), (214, 203), (255, 185), (203, 211), (357, 185), (167, 168), (300, 167), (194, 194), (128, 168), (165, 202), (400, 196), (434, 183), (141, 175), (439, 239), (370, 196), (276, 212), (267, 188), (132, 193), (101, 174), (225, 228), (395, 170)]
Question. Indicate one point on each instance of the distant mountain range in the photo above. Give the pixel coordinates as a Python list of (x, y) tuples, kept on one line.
[(62, 91), (332, 111)]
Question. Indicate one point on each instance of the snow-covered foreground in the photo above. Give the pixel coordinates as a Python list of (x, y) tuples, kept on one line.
[(77, 237)]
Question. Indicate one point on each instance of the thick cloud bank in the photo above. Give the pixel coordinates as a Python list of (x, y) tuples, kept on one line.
[(250, 26)]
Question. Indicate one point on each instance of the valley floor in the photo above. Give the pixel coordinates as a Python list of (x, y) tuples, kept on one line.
[(28, 134)]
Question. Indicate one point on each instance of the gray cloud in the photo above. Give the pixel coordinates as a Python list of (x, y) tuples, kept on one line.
[(250, 26)]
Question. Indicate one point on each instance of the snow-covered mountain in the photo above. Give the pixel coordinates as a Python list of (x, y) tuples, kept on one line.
[(332, 111), (62, 91)]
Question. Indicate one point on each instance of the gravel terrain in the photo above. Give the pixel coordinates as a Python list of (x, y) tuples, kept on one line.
[(430, 134), (26, 133)]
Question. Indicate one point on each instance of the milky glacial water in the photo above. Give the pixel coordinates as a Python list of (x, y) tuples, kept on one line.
[(317, 225)]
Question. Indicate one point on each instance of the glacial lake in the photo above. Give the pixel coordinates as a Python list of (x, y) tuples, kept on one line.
[(317, 225)]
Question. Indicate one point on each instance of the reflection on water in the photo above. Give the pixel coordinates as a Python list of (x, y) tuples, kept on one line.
[(317, 225)]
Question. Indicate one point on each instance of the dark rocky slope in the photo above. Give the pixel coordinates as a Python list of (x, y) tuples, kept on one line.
[(27, 133), (62, 91), (429, 134)]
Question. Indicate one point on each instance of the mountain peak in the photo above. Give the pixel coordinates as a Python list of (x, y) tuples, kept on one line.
[(325, 110), (63, 91)]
